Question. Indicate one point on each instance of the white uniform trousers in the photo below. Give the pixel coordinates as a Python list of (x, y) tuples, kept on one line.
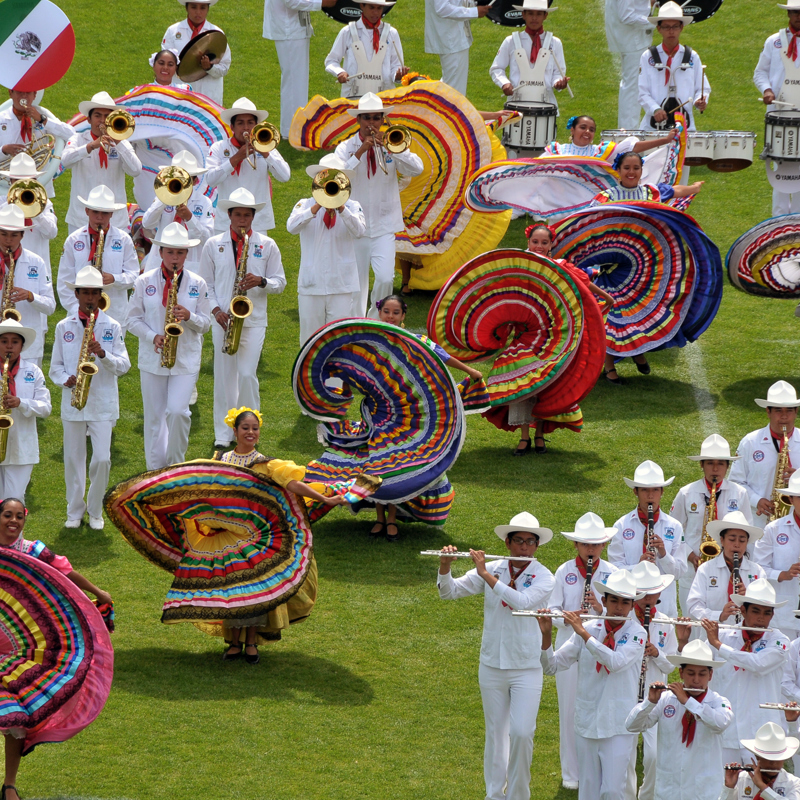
[(629, 112), (317, 310), (167, 418), (455, 69), (602, 766), (75, 466), (14, 480), (647, 791), (380, 252), (510, 707), (293, 55), (235, 377), (783, 203), (567, 687)]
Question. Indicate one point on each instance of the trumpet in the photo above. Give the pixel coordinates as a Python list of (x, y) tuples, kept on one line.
[(330, 188), (118, 125), (465, 554), (6, 420), (780, 706), (696, 623), (40, 148), (397, 139), (172, 328), (29, 196), (173, 186), (264, 138), (87, 369), (560, 615), (708, 547)]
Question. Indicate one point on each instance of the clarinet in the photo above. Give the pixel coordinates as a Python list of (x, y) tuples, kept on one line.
[(643, 673), (586, 603), (737, 581), (651, 548)]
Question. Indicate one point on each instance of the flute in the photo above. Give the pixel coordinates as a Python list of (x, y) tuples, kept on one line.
[(465, 554), (695, 623), (560, 615), (686, 689), (780, 706), (743, 768)]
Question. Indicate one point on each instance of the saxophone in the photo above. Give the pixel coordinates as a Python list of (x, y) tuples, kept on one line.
[(5, 413), (9, 307), (708, 547), (97, 263), (87, 369), (782, 508), (241, 305), (172, 328)]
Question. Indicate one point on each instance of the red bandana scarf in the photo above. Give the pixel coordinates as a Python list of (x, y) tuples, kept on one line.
[(536, 43), (237, 144), (168, 278), (94, 238), (609, 642), (689, 723), (792, 51), (195, 28), (514, 573), (84, 318), (372, 162), (376, 34), (329, 218), (5, 260), (12, 374), (238, 242), (582, 567), (643, 519), (25, 125), (671, 55), (101, 152)]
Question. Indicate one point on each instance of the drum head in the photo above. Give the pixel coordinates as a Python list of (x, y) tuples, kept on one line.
[(504, 13), (699, 9), (532, 107), (346, 11), (728, 164)]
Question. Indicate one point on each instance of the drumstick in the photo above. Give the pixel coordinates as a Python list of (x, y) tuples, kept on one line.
[(558, 67), (703, 85), (774, 102)]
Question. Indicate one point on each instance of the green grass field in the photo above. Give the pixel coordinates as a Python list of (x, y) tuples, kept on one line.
[(376, 695)]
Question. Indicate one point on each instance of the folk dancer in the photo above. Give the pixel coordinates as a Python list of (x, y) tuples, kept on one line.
[(236, 375), (177, 36), (609, 655), (666, 548), (31, 294), (166, 390), (759, 451), (96, 159), (234, 164), (379, 196), (691, 719), (367, 55), (165, 70), (328, 277), (510, 674), (106, 349)]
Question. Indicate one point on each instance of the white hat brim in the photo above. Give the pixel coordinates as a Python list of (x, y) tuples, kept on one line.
[(375, 2), (522, 8), (74, 286), (603, 589), (229, 113), (677, 661), (791, 748), (87, 105), (716, 527), (209, 2), (740, 600), (12, 228), (224, 205), (316, 168), (192, 172), (5, 173), (354, 112), (636, 485), (666, 580), (190, 243), (28, 334), (544, 534), (713, 458), (767, 404), (684, 19), (114, 206), (573, 536)]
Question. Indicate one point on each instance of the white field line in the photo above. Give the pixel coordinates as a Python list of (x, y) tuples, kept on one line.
[(701, 389)]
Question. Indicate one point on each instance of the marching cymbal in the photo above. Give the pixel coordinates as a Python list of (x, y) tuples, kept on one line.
[(211, 43)]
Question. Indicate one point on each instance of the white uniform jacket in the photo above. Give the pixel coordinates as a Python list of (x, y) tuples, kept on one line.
[(709, 592), (627, 28), (119, 260), (758, 677), (43, 229), (504, 60), (327, 256), (689, 507), (626, 548), (342, 51), (685, 773), (776, 551), (684, 84), (605, 698), (379, 195), (770, 72), (568, 592), (218, 264), (665, 639), (87, 173), (31, 273), (289, 19), (146, 317), (790, 683), (34, 396), (177, 36), (257, 181), (447, 28), (755, 470), (508, 642), (103, 402), (785, 787)]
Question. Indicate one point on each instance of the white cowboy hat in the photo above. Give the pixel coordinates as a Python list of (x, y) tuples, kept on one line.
[(21, 166), (771, 743), (736, 520), (696, 652), (12, 218), (375, 2), (649, 578), (534, 5), (12, 326), (185, 160), (175, 235), (780, 395), (620, 584), (792, 5), (244, 106), (524, 523), (648, 475), (368, 104), (714, 448), (87, 278), (101, 198), (330, 161), (208, 2), (793, 487), (240, 198), (590, 529), (99, 100), (670, 11), (760, 593)]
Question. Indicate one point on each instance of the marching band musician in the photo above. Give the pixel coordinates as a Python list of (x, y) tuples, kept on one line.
[(689, 761), (96, 159), (759, 451), (235, 376), (166, 390), (367, 55), (754, 663), (690, 506), (31, 294), (234, 164), (510, 674), (790, 689), (609, 655), (574, 587), (120, 266), (378, 192), (177, 36), (96, 419), (534, 59), (666, 550), (328, 278), (27, 398)]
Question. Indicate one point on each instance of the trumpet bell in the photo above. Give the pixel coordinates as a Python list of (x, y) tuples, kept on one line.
[(29, 196), (397, 139), (119, 125), (173, 186), (330, 188), (265, 137)]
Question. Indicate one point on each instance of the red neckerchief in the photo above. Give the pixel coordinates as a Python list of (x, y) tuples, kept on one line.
[(238, 242), (643, 519), (749, 639), (376, 35), (237, 144), (536, 43), (792, 51), (582, 567), (84, 318), (195, 28), (94, 238), (668, 70), (5, 261), (101, 152), (12, 375), (329, 218), (372, 162), (689, 723), (513, 582), (168, 277), (26, 124), (609, 642)]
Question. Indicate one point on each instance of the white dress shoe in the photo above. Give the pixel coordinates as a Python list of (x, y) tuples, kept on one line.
[(73, 523), (96, 523)]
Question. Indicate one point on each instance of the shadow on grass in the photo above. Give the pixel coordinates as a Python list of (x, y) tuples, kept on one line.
[(84, 547), (643, 397), (743, 393), (161, 673)]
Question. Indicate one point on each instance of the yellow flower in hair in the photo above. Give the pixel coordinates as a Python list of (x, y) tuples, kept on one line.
[(230, 419), (410, 77)]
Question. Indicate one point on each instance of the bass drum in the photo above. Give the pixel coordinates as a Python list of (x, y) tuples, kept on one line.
[(346, 11), (504, 13), (699, 9)]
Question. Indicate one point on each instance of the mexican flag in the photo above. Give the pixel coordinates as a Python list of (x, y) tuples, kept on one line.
[(37, 44)]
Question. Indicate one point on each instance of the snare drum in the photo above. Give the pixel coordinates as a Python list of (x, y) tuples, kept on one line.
[(530, 135), (699, 148), (782, 135), (733, 150)]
